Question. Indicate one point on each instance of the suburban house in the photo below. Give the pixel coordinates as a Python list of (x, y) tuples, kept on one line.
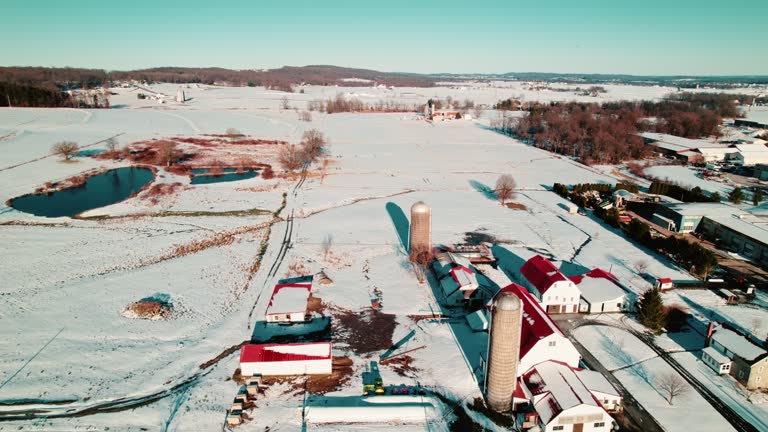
[(564, 402), (289, 302), (750, 362), (600, 292), (458, 281), (555, 292), (540, 338), (286, 359)]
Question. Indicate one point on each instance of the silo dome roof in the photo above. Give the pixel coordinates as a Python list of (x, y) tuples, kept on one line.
[(508, 301), (420, 207)]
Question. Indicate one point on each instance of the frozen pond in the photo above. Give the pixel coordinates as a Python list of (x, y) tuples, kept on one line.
[(98, 191), (227, 177)]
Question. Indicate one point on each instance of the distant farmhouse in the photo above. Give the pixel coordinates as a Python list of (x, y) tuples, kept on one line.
[(746, 152)]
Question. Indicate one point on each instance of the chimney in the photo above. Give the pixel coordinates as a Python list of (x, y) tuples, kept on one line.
[(710, 330)]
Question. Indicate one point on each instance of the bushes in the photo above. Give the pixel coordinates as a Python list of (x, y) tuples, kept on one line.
[(681, 193)]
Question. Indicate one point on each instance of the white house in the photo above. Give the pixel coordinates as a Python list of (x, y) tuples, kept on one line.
[(562, 400), (717, 361), (600, 292), (289, 302), (555, 292), (540, 338), (286, 359)]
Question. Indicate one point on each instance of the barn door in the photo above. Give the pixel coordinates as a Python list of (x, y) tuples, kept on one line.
[(578, 427)]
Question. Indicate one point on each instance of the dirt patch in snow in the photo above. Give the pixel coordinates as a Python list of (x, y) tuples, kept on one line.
[(516, 206), (403, 366), (157, 307), (363, 332)]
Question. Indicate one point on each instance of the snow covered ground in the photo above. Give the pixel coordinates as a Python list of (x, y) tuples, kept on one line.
[(66, 281)]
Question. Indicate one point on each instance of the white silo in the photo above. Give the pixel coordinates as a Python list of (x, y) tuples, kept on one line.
[(503, 351), (421, 227)]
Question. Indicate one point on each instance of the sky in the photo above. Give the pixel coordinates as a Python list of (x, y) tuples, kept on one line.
[(651, 37)]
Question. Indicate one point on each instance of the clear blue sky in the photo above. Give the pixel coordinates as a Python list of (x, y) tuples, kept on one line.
[(589, 36)]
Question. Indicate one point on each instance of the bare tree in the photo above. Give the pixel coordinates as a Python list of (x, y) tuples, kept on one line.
[(167, 153), (505, 188), (422, 256), (285, 103), (324, 169), (672, 385), (477, 111), (326, 245), (111, 145), (641, 266), (65, 149), (233, 133), (290, 157), (305, 116), (313, 142)]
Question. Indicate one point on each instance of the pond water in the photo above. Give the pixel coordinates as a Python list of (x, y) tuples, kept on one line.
[(98, 191), (206, 170), (229, 177)]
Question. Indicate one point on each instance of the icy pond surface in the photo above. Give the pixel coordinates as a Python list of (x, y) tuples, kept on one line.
[(97, 191), (228, 177)]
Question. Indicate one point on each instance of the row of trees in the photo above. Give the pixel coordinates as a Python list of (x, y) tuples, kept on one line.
[(341, 103), (686, 254), (676, 191), (607, 133)]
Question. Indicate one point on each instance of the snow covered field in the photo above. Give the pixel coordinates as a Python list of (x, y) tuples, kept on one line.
[(66, 281)]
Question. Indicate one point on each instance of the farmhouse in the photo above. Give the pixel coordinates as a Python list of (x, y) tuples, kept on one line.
[(540, 338), (555, 292), (563, 401), (286, 359), (750, 362), (289, 302), (600, 292)]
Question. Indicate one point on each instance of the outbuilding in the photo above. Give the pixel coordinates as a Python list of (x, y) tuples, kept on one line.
[(600, 292), (286, 359), (289, 302), (717, 361), (555, 292)]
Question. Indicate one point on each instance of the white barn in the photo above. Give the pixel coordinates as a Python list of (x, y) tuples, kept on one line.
[(562, 400), (286, 359), (555, 292), (540, 338), (289, 302), (600, 292)]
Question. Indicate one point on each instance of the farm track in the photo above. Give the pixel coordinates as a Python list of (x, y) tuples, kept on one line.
[(51, 155)]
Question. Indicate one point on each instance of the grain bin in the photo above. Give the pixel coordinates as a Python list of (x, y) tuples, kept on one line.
[(503, 351)]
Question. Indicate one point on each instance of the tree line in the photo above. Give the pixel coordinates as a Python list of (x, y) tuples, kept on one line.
[(608, 133)]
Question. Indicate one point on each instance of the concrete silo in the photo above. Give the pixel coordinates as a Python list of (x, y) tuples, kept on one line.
[(421, 227), (503, 351)]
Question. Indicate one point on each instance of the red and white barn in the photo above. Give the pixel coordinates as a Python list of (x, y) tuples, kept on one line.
[(289, 302), (600, 292), (540, 338), (548, 284), (563, 401), (286, 359)]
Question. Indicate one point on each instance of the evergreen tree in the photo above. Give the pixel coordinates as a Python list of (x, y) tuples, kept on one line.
[(715, 197), (736, 196), (757, 197), (651, 310)]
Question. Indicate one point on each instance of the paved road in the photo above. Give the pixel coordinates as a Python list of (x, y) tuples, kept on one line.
[(635, 418)]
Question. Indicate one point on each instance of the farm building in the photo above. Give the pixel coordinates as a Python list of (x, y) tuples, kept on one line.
[(441, 115), (286, 359), (476, 254), (665, 284), (569, 207), (717, 361), (458, 281), (555, 292), (621, 196), (750, 362), (716, 154), (540, 338), (600, 292), (601, 389), (346, 410), (750, 154), (289, 302), (562, 400)]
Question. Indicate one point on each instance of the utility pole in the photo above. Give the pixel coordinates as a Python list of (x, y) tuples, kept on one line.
[(9, 100)]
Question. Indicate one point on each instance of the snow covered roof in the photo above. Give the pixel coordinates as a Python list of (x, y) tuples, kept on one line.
[(596, 382), (624, 193), (536, 323), (561, 387), (738, 344), (541, 273), (255, 353), (676, 143), (598, 286), (716, 150), (752, 148), (742, 226), (716, 355), (704, 209), (289, 297)]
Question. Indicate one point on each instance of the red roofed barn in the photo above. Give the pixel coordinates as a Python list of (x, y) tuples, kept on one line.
[(555, 292), (286, 359)]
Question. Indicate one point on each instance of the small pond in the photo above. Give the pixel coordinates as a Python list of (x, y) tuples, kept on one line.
[(228, 177), (98, 191), (206, 170)]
